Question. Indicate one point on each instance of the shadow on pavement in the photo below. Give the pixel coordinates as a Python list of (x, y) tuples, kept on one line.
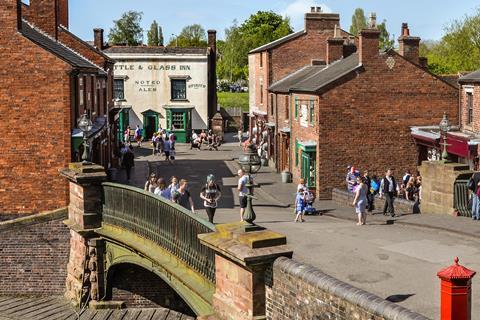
[(396, 298)]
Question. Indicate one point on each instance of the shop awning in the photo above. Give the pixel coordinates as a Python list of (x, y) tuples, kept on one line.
[(458, 145)]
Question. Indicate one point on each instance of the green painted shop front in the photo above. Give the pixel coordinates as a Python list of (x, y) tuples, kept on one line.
[(179, 121), (150, 123)]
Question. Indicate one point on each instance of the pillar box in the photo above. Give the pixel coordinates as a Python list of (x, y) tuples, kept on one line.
[(456, 292), (242, 260)]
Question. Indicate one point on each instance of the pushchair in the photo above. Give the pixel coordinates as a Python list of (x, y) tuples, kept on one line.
[(309, 200)]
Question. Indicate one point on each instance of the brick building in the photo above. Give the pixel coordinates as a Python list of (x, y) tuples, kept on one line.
[(357, 109), (271, 62), (464, 137), (49, 78)]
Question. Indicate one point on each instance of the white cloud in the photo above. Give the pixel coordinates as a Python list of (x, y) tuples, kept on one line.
[(297, 9)]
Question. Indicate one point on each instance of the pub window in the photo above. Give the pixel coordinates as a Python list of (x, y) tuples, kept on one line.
[(470, 107), (312, 111), (178, 120), (119, 89), (179, 89)]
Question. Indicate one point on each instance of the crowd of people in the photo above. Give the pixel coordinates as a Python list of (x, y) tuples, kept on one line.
[(212, 140), (366, 187), (178, 192)]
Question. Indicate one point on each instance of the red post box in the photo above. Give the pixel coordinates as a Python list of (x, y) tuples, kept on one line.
[(456, 292)]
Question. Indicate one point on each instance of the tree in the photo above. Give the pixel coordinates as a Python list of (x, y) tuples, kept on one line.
[(359, 21), (152, 35), (160, 35), (191, 36), (259, 29), (127, 29), (459, 48)]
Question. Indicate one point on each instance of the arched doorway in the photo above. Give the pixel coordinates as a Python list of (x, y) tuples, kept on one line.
[(141, 288)]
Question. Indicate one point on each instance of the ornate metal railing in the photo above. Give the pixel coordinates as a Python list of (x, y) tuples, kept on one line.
[(461, 198), (169, 225)]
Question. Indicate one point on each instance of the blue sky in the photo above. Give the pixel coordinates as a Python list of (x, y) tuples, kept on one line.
[(426, 18)]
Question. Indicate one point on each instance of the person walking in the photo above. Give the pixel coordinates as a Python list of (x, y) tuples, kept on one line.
[(473, 185), (138, 136), (360, 201), (128, 161), (210, 194), (389, 188), (300, 206), (242, 191), (151, 183), (351, 179), (182, 196), (154, 142), (370, 196), (162, 189), (173, 186), (126, 135), (240, 136)]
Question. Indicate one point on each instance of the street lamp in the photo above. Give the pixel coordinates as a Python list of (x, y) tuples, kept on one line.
[(444, 128), (250, 163), (85, 124)]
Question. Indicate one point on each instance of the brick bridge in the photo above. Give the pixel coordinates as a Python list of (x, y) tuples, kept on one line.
[(124, 238)]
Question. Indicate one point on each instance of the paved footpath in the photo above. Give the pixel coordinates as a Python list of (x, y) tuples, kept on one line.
[(396, 259)]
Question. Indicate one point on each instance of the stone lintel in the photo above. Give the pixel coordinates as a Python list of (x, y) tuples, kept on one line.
[(246, 248), (82, 174)]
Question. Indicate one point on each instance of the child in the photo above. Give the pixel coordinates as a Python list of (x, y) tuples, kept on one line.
[(300, 206)]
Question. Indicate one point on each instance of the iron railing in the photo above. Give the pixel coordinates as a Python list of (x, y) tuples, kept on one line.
[(461, 198), (167, 224)]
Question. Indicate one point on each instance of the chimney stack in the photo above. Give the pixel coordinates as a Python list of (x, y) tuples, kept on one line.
[(62, 13), (409, 47), (98, 38), (316, 20), (334, 47), (212, 39), (47, 15), (369, 40)]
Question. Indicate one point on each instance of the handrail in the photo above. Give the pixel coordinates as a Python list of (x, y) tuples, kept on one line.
[(166, 223), (461, 197)]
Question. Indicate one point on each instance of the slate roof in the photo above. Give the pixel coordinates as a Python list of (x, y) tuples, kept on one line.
[(471, 77), (57, 48), (313, 78), (278, 42), (284, 85), (154, 50)]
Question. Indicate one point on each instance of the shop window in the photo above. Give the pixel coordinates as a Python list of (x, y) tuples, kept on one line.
[(179, 89), (119, 89), (178, 120), (470, 107)]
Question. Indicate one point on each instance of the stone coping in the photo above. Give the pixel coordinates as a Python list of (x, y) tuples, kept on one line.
[(57, 214), (365, 300)]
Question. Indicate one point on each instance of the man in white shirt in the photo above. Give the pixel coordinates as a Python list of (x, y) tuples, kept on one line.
[(389, 187), (242, 191)]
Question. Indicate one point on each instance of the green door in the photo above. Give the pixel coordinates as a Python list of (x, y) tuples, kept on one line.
[(123, 123), (150, 124), (309, 169)]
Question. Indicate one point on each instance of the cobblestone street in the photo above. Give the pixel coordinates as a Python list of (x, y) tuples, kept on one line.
[(397, 261)]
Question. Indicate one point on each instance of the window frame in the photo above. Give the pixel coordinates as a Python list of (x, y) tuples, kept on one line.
[(115, 89), (177, 80), (469, 107)]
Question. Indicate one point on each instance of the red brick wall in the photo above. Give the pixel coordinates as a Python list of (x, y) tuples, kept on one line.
[(35, 106), (262, 80), (366, 121), (44, 16), (140, 288), (33, 258), (475, 125)]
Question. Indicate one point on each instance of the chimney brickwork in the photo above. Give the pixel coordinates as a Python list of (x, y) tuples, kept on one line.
[(98, 38), (368, 44), (409, 47)]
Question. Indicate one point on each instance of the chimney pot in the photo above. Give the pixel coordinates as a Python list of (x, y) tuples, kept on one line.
[(372, 24), (312, 9), (405, 30), (319, 9)]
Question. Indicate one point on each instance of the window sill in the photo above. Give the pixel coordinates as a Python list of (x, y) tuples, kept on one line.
[(179, 100), (119, 100)]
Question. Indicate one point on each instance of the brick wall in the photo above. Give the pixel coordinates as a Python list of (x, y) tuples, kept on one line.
[(345, 198), (34, 255), (35, 139), (364, 120), (475, 89), (140, 288), (300, 291)]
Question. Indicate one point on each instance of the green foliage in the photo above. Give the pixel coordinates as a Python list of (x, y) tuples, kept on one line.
[(127, 29), (259, 29), (233, 99), (359, 21), (459, 48), (191, 36), (152, 34)]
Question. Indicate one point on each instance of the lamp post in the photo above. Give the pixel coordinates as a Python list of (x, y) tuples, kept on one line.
[(85, 124), (250, 163), (444, 128)]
